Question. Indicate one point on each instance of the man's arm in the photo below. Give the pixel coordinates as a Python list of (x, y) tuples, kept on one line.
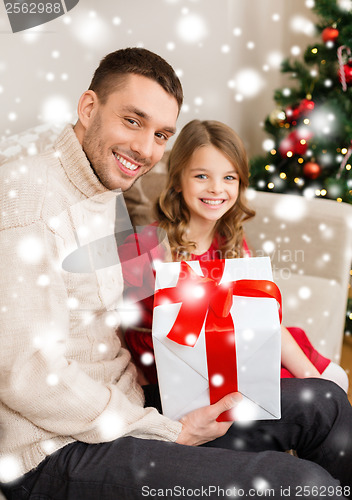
[(38, 380)]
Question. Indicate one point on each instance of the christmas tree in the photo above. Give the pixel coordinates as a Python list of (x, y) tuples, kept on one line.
[(311, 124), (310, 148)]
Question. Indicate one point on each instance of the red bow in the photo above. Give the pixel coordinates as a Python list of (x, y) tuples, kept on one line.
[(204, 299)]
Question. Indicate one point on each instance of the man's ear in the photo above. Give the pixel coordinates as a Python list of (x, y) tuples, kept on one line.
[(87, 105)]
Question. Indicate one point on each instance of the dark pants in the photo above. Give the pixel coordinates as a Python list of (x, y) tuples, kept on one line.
[(247, 462)]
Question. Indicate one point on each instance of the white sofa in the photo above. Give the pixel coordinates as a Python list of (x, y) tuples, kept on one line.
[(310, 245)]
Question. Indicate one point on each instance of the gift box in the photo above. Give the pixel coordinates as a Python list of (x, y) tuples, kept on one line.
[(216, 330)]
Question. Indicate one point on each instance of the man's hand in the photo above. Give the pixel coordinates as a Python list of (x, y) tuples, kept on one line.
[(200, 426)]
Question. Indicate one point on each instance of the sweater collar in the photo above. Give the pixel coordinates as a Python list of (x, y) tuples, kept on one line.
[(76, 164)]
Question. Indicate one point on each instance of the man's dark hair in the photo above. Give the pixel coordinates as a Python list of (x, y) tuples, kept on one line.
[(114, 67)]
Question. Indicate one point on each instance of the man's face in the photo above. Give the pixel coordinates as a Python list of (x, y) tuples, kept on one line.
[(125, 137)]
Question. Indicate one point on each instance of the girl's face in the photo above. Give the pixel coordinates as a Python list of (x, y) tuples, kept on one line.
[(209, 185)]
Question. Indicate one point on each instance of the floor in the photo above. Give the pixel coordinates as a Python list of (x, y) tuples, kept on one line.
[(346, 361)]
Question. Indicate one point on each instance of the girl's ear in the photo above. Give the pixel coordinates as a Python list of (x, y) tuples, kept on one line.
[(87, 106)]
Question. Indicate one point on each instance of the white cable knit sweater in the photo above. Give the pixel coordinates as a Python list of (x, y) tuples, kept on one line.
[(64, 375)]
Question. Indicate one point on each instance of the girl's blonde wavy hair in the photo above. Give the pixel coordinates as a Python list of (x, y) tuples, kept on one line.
[(171, 211)]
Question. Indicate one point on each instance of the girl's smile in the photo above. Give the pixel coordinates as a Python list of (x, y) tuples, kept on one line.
[(213, 203)]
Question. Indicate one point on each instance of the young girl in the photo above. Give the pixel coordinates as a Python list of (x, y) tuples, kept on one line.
[(202, 209)]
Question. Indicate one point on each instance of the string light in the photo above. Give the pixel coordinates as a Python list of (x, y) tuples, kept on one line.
[(283, 175), (315, 50), (271, 185), (344, 151), (300, 160), (289, 154)]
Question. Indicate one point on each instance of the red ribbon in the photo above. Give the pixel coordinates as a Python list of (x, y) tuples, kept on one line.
[(202, 299)]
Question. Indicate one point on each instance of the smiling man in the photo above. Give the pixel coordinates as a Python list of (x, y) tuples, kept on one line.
[(74, 423), (123, 133)]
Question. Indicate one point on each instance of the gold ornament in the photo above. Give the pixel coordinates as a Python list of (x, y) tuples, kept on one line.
[(277, 117)]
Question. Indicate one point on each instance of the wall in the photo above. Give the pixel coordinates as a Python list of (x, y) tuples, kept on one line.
[(210, 43)]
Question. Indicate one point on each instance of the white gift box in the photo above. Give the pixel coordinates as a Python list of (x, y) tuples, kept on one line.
[(183, 369)]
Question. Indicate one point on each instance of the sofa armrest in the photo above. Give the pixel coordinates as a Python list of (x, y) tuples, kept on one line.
[(309, 243)]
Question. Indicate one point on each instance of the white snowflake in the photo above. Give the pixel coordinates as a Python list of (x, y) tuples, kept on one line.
[(30, 249), (110, 425), (147, 359), (112, 319), (249, 82), (307, 395), (191, 339), (261, 484), (52, 379), (268, 246), (129, 313), (192, 28), (72, 303), (9, 468), (304, 292), (48, 446), (217, 380)]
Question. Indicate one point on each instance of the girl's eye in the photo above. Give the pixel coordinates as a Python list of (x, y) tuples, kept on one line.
[(231, 178), (201, 176)]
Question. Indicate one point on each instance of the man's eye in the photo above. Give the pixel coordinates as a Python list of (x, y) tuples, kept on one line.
[(132, 121), (159, 135)]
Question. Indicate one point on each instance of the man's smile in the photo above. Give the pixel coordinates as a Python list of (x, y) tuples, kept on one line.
[(127, 166)]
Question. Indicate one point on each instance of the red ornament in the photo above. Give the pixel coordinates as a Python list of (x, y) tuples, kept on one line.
[(311, 170), (286, 145), (347, 68), (330, 34), (296, 142), (292, 114), (305, 107)]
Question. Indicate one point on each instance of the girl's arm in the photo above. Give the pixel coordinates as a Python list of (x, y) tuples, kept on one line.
[(294, 359), (292, 356)]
